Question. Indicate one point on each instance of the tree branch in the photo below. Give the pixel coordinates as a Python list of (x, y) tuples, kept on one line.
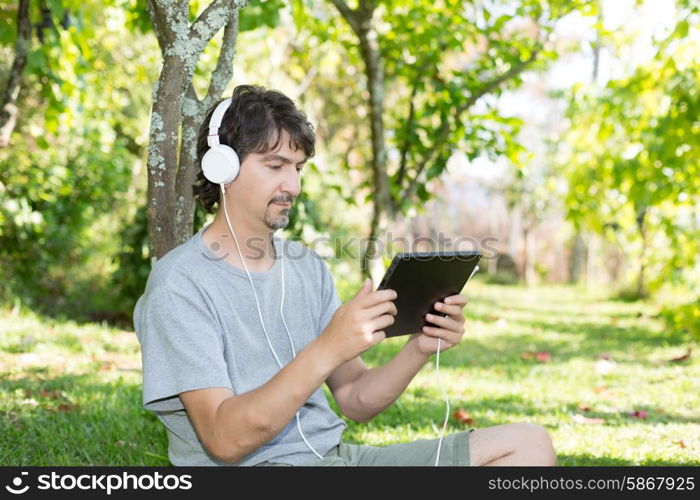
[(210, 21), (162, 15), (223, 72), (351, 16)]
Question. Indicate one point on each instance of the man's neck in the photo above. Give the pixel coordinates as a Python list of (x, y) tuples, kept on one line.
[(255, 245)]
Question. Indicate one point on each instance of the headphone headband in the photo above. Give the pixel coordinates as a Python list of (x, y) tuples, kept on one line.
[(215, 122)]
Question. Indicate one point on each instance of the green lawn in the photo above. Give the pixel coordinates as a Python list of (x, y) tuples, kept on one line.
[(71, 394)]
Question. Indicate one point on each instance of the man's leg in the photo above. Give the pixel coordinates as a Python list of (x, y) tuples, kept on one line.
[(511, 444)]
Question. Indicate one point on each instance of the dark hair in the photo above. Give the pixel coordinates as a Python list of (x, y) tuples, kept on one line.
[(254, 120)]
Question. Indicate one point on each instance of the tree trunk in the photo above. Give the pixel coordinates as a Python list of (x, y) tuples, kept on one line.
[(578, 255), (362, 22), (171, 174), (529, 260), (194, 111), (642, 291), (8, 110)]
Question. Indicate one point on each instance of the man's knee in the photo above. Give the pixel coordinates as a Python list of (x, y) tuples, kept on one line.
[(536, 441)]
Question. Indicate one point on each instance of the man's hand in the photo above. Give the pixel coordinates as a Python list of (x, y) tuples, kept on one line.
[(450, 328), (357, 325)]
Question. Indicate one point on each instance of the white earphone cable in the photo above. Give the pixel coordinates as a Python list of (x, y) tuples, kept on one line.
[(444, 394), (447, 402), (257, 303)]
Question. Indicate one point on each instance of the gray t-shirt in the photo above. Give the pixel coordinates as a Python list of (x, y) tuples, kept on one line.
[(199, 327)]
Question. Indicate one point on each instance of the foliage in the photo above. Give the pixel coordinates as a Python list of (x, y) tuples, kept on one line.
[(433, 77), (632, 161), (71, 157), (684, 318)]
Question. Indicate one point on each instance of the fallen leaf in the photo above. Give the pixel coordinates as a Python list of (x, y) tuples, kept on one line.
[(681, 444), (107, 366), (603, 366), (639, 414), (66, 407), (580, 419), (463, 416), (526, 355), (604, 392), (543, 357), (584, 407), (492, 317), (684, 357), (49, 394)]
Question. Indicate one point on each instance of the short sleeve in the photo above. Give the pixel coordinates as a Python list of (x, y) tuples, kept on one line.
[(182, 347), (329, 298)]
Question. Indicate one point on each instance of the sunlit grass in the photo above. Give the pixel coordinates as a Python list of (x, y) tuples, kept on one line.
[(71, 394)]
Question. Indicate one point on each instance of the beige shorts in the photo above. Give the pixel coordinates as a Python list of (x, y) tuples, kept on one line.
[(454, 452)]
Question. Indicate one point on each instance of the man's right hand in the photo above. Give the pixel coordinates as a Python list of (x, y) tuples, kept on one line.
[(357, 325)]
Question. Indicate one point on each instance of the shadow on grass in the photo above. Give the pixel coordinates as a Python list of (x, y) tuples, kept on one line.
[(419, 411), (573, 341), (76, 420), (623, 418)]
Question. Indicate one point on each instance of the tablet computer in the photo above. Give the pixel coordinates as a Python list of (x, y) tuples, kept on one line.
[(422, 278)]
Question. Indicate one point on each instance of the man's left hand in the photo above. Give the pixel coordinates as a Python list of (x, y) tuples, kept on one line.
[(449, 328)]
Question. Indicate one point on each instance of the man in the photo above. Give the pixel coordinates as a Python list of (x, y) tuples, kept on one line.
[(204, 319)]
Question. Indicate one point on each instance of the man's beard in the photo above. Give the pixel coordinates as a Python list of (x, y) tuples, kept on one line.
[(279, 221), (276, 222)]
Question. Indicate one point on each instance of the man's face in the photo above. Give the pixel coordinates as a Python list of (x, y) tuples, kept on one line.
[(268, 184)]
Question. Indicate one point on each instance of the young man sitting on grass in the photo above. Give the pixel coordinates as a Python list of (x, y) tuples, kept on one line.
[(208, 371)]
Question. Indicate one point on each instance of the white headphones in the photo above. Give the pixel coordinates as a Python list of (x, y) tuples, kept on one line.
[(220, 163)]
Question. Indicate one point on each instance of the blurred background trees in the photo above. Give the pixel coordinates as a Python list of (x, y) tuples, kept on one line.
[(566, 132)]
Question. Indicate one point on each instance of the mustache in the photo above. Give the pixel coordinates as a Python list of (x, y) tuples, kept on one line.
[(282, 199)]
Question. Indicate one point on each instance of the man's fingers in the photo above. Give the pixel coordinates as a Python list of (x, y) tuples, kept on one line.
[(374, 298), (459, 300), (365, 288), (378, 337), (379, 309), (448, 335), (452, 310), (382, 322), (447, 323)]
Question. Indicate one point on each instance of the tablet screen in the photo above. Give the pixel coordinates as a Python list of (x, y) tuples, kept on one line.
[(422, 278)]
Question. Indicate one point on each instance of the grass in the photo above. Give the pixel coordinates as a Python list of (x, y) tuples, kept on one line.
[(70, 394)]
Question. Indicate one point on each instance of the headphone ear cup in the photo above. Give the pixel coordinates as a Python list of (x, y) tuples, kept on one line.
[(220, 164)]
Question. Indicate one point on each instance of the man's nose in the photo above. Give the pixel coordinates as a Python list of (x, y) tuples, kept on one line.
[(291, 183)]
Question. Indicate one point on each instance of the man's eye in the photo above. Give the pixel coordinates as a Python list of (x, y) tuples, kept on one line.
[(275, 167)]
